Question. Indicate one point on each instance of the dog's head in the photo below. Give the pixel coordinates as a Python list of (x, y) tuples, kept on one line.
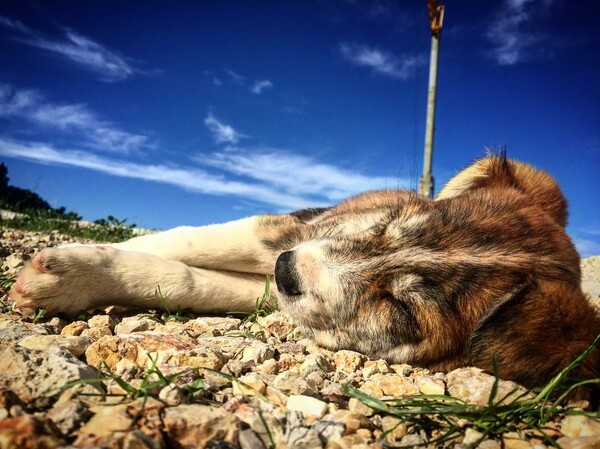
[(485, 271)]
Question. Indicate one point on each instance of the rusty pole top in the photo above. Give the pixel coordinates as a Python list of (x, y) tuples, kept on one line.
[(436, 17)]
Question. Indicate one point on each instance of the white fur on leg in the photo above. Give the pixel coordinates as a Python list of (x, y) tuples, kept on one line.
[(80, 278), (230, 246)]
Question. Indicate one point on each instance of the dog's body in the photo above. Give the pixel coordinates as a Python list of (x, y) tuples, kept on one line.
[(485, 271)]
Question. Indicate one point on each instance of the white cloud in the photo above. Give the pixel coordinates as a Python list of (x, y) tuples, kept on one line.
[(191, 179), (260, 86), (310, 177), (261, 177), (77, 49), (221, 132), (75, 118), (381, 61), (14, 25), (15, 102), (587, 239), (235, 77), (587, 247), (512, 34)]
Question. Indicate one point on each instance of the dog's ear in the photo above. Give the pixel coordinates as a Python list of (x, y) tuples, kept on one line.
[(536, 333), (498, 172)]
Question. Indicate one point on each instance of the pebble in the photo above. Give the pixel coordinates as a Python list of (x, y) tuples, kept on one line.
[(249, 385), (579, 426), (102, 321), (257, 352), (95, 333), (512, 440), (290, 383), (304, 438), (591, 442), (350, 420), (134, 324), (74, 328), (277, 324), (249, 440), (269, 366), (474, 386), (194, 425), (429, 385), (348, 361), (394, 384), (308, 405), (75, 345), (316, 363), (172, 395), (394, 428)]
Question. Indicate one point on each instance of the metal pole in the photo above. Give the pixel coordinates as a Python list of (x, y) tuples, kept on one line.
[(436, 17)]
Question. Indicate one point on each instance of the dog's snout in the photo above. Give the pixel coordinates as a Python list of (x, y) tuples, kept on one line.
[(286, 276)]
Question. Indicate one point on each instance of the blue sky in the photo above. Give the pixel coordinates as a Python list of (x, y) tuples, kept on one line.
[(171, 113)]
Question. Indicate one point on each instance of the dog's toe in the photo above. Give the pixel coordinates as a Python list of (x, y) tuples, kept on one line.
[(56, 280), (40, 263), (34, 289)]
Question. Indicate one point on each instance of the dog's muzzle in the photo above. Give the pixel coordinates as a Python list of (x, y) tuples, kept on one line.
[(286, 276)]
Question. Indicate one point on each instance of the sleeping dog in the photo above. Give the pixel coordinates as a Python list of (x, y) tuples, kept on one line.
[(485, 271)]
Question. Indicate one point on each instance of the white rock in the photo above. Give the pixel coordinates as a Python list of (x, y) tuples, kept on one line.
[(489, 444), (303, 438), (249, 440), (134, 324), (428, 385), (590, 276), (96, 333), (195, 425), (267, 424), (329, 431), (474, 386), (249, 385), (357, 407), (394, 427), (219, 324), (471, 436), (402, 369), (316, 363), (75, 345), (258, 352), (579, 426), (592, 442), (290, 383), (392, 385), (277, 324), (512, 440), (68, 415), (12, 262), (12, 332), (36, 376), (172, 395), (308, 405), (102, 321), (74, 328), (348, 361), (269, 366)]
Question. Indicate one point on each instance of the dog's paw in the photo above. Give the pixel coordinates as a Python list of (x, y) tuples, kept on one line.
[(65, 280)]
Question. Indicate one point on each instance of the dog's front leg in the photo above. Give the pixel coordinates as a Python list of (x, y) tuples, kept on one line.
[(240, 245), (79, 278)]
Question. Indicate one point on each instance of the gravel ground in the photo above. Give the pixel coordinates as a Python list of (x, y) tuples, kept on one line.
[(220, 382)]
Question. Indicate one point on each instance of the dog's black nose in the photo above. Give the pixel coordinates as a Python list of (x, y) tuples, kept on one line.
[(286, 276)]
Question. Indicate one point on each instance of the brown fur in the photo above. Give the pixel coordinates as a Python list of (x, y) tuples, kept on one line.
[(484, 272), (498, 278)]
